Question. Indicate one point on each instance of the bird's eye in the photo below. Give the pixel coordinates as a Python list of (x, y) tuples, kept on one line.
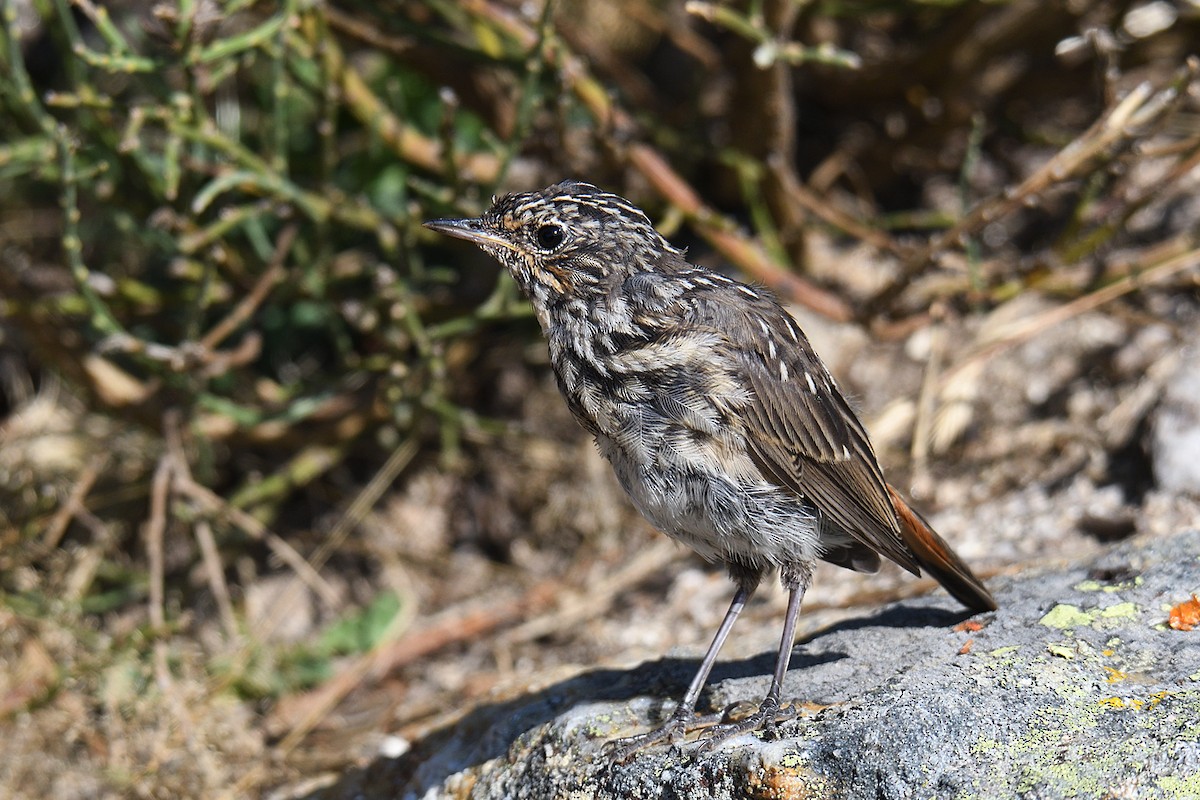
[(549, 236)]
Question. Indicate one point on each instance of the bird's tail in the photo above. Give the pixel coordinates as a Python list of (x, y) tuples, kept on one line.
[(936, 558)]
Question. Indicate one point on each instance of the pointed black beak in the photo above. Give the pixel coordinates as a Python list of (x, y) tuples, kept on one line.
[(470, 229)]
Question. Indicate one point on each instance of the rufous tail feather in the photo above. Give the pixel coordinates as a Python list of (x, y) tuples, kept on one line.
[(936, 558)]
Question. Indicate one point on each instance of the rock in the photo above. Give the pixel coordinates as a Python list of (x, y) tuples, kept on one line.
[(1075, 688), (1176, 441)]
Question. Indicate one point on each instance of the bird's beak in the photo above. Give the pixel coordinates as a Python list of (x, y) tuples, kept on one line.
[(470, 229)]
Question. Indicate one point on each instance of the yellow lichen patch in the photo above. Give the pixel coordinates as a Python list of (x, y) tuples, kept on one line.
[(1064, 616), (1115, 675), (1120, 611), (1097, 586), (1134, 703), (1062, 650)]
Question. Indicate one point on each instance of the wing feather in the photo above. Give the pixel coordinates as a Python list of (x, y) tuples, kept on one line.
[(800, 428)]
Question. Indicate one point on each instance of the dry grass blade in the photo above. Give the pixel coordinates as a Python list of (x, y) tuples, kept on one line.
[(214, 571), (1140, 276), (922, 436), (153, 532), (246, 307), (213, 503), (209, 553), (828, 212), (74, 503)]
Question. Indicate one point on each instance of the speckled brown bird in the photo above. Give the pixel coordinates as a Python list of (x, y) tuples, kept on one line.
[(720, 421)]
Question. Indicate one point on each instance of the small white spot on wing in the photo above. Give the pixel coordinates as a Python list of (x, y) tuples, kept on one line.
[(783, 371), (812, 386)]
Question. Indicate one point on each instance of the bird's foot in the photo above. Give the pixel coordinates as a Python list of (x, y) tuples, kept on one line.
[(765, 719), (716, 729), (672, 733)]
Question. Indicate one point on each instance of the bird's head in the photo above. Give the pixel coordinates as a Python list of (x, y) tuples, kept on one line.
[(569, 239)]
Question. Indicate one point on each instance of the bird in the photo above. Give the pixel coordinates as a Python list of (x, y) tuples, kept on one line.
[(722, 424)]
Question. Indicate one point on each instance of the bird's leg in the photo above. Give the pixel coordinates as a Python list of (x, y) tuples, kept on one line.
[(796, 580), (676, 727)]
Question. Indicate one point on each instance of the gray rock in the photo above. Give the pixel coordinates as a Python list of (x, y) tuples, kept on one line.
[(1176, 441), (1075, 688)]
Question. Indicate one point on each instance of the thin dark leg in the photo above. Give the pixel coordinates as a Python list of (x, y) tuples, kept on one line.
[(688, 704), (797, 582), (676, 726), (784, 658)]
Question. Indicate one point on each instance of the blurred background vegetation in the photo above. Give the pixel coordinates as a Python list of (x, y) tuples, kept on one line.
[(224, 336)]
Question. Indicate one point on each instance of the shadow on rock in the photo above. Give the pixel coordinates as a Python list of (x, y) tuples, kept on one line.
[(898, 616)]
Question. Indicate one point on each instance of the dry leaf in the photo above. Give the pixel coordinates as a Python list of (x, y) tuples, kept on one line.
[(1186, 615)]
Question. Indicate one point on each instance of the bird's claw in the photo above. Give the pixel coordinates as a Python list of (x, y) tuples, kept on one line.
[(620, 750), (765, 719), (715, 730)]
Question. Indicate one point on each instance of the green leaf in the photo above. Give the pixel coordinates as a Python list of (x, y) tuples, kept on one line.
[(362, 630)]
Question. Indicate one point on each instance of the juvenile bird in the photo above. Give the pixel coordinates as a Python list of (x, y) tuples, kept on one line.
[(722, 424)]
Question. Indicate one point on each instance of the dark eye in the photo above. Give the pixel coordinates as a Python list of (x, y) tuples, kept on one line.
[(549, 236)]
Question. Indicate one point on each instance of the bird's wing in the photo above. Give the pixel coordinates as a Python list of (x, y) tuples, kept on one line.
[(799, 427)]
